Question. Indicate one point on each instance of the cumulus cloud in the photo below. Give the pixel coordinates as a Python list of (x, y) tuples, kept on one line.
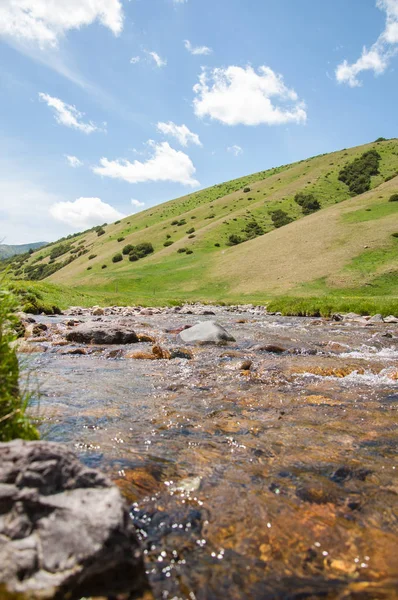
[(235, 149), (160, 62), (73, 161), (137, 203), (68, 115), (242, 96), (45, 22), (378, 57), (166, 164), (84, 212), (180, 132), (197, 50)]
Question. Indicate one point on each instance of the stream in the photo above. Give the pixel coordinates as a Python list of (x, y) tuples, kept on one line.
[(262, 469)]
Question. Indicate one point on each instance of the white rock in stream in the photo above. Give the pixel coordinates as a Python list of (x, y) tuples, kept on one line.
[(206, 331)]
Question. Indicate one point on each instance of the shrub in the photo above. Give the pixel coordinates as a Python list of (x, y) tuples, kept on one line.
[(191, 230), (193, 217), (117, 222), (60, 250), (121, 239), (133, 256), (234, 239), (117, 258), (100, 231), (393, 198), (144, 249), (381, 139), (253, 230), (13, 403), (217, 245), (307, 202), (127, 249), (175, 222), (280, 218), (357, 174), (92, 256), (246, 190), (395, 235), (104, 267), (189, 252), (181, 250), (190, 237), (168, 236), (89, 268), (168, 243)]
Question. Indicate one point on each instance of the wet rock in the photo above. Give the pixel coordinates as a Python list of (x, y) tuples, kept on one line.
[(178, 329), (336, 347), (48, 496), (97, 311), (142, 337), (117, 353), (181, 353), (246, 365), (206, 332), (272, 348), (376, 319), (74, 351), (27, 348), (102, 333), (161, 353), (391, 319)]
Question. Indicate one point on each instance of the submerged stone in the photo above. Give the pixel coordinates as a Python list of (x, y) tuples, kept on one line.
[(102, 333)]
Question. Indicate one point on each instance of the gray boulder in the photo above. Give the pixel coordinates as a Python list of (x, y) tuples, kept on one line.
[(103, 333), (64, 529), (206, 331)]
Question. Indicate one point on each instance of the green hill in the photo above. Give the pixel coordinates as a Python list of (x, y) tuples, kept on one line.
[(249, 240), (9, 250)]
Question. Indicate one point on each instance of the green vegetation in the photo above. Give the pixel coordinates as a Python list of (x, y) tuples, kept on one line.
[(13, 403), (117, 257), (260, 258), (357, 175), (393, 198)]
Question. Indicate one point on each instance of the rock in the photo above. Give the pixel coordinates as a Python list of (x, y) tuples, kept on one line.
[(116, 353), (391, 319), (27, 348), (181, 353), (206, 331), (142, 337), (273, 348), (337, 347), (246, 365), (141, 355), (161, 353), (376, 319), (65, 530), (102, 333), (178, 329), (97, 311)]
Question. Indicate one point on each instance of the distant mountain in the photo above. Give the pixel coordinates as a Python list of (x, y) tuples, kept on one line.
[(7, 250)]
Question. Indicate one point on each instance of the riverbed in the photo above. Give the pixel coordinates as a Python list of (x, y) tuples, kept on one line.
[(261, 469)]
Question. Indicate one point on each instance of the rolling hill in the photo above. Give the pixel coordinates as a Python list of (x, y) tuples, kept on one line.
[(8, 250), (248, 240)]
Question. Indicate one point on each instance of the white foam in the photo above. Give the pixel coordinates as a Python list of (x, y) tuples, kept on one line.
[(371, 352)]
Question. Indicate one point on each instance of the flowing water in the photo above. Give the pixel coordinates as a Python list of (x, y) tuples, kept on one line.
[(275, 482)]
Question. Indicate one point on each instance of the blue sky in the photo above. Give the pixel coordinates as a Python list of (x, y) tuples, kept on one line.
[(112, 106)]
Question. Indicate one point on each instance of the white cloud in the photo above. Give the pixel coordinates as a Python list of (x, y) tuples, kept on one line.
[(378, 57), (73, 161), (160, 62), (68, 115), (197, 50), (137, 203), (237, 95), (84, 212), (180, 132), (166, 164), (45, 22), (134, 60), (235, 149)]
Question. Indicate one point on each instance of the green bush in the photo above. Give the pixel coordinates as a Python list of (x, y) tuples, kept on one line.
[(127, 249), (117, 258), (246, 190), (13, 403), (234, 239), (181, 250), (253, 230), (395, 235), (190, 237), (104, 267), (100, 231), (189, 252), (308, 202), (357, 174), (393, 198), (60, 250), (133, 256), (280, 218), (381, 139), (168, 243), (89, 268), (144, 249), (217, 245), (121, 239), (92, 256), (191, 230)]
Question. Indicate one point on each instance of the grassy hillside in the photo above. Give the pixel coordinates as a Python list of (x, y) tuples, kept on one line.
[(344, 250), (8, 250)]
